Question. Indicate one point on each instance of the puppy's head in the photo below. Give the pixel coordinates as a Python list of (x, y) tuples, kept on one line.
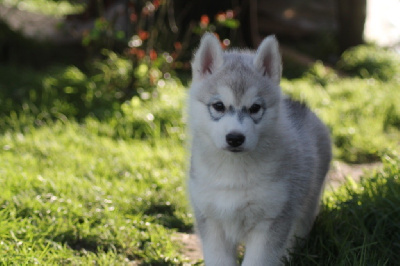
[(235, 95)]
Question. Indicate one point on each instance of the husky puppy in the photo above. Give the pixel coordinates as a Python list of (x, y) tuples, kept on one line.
[(258, 158)]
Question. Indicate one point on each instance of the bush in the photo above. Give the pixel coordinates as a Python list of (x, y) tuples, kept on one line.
[(150, 115), (67, 90), (368, 61)]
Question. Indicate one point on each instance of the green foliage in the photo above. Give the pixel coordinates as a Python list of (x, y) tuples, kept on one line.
[(107, 200), (160, 116), (71, 196), (67, 90), (319, 74), (359, 224), (223, 22), (55, 8), (368, 61), (108, 189), (363, 114), (149, 36), (102, 36), (149, 116)]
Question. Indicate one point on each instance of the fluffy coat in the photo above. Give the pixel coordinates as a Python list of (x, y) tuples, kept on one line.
[(258, 158)]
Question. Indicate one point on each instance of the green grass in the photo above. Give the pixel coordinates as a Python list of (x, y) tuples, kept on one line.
[(69, 195), (359, 224), (65, 89), (72, 195), (363, 115), (89, 179)]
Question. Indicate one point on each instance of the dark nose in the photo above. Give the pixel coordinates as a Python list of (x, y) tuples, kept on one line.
[(235, 139)]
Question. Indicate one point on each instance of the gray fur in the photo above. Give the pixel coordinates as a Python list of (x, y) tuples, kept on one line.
[(266, 191)]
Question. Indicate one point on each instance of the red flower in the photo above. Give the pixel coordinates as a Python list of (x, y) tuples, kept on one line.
[(140, 53), (156, 3), (133, 17), (153, 55), (143, 35), (204, 21), (178, 46)]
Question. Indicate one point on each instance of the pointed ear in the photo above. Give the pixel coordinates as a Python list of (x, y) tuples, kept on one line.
[(268, 59), (208, 57)]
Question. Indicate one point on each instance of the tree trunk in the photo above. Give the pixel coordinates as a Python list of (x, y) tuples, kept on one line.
[(351, 20)]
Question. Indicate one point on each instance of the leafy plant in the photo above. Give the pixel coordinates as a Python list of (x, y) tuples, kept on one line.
[(148, 116), (102, 36), (367, 61)]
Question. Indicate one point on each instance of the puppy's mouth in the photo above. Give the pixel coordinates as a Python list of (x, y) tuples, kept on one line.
[(235, 150)]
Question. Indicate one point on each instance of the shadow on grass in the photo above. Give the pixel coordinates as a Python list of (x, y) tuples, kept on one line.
[(88, 243), (358, 225), (165, 215)]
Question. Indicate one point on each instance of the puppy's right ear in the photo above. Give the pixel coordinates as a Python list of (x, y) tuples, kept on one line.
[(208, 57), (268, 59)]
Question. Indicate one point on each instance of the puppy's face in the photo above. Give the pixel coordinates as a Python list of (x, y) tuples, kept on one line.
[(235, 122), (234, 96)]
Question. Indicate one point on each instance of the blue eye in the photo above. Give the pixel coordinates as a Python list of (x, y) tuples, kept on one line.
[(219, 107)]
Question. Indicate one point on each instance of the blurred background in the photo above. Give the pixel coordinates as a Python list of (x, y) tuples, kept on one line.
[(93, 155), (161, 35)]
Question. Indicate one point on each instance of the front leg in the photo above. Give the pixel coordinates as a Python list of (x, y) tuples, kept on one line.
[(267, 243), (217, 249)]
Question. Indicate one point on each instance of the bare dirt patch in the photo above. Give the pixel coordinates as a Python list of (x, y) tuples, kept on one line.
[(191, 247), (340, 171)]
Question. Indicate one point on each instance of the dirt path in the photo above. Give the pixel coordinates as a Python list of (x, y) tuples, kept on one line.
[(191, 247)]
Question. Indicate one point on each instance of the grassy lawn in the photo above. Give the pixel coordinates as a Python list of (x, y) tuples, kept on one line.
[(359, 224), (72, 196), (103, 192), (89, 179), (108, 191)]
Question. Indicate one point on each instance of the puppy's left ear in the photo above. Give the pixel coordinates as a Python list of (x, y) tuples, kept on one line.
[(268, 59)]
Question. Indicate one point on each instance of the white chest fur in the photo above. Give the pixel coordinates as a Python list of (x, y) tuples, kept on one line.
[(237, 194)]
